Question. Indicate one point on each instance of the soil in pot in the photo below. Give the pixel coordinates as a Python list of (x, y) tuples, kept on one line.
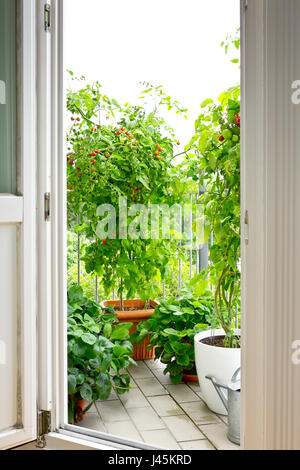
[(218, 341), (135, 311)]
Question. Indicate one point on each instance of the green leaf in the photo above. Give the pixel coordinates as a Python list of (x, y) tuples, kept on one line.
[(121, 383), (104, 386), (179, 348), (72, 382), (206, 102), (79, 349), (75, 294), (107, 330), (183, 360), (170, 331), (120, 351), (144, 180), (121, 331), (86, 392), (176, 379), (88, 338)]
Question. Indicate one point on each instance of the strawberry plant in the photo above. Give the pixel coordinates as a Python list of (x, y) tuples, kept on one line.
[(172, 329), (99, 353)]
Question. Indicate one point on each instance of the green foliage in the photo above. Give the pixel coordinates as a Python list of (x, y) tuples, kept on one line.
[(232, 42), (172, 329), (131, 158), (215, 156), (99, 352)]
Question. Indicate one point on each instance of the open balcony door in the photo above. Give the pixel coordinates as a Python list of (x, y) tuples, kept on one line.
[(271, 259), (17, 224), (271, 197)]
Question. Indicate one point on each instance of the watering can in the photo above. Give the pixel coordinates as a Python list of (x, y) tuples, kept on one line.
[(231, 403)]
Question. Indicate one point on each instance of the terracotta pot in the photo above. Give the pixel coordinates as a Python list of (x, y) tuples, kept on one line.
[(79, 407), (189, 377), (135, 316)]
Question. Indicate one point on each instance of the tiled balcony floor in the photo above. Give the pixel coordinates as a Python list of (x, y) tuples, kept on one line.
[(159, 413)]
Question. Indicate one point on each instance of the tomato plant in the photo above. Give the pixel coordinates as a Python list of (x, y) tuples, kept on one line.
[(131, 158), (214, 157)]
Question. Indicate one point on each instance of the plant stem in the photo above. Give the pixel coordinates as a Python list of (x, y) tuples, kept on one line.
[(121, 297)]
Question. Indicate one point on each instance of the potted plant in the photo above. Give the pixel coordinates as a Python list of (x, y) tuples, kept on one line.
[(128, 158), (135, 311), (99, 353), (172, 329), (217, 149)]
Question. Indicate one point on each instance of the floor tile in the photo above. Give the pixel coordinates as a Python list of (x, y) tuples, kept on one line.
[(140, 372), (199, 412), (182, 428), (160, 438), (133, 383), (145, 419), (182, 393), (194, 386), (154, 364), (92, 421), (204, 444), (134, 399), (112, 411), (151, 387), (217, 434), (113, 396), (223, 418), (125, 429), (165, 406), (200, 395), (93, 409), (163, 378)]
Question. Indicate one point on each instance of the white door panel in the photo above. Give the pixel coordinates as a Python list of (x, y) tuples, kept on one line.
[(18, 246), (8, 322), (271, 195)]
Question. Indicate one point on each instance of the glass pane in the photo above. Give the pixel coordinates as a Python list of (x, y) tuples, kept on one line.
[(8, 179)]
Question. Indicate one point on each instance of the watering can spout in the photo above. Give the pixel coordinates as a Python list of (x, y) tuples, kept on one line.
[(220, 390)]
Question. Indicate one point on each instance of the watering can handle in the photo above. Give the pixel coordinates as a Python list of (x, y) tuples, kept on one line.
[(235, 375), (219, 390)]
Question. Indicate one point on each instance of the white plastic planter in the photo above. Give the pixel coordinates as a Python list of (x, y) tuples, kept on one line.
[(216, 361)]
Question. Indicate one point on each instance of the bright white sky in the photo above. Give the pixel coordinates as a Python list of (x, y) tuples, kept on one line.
[(173, 43)]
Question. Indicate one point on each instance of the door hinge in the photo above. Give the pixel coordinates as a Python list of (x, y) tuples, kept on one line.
[(245, 4), (43, 427), (47, 17), (47, 198), (246, 222)]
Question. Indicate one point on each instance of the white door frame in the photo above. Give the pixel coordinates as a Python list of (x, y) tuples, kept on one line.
[(271, 194), (270, 274), (22, 211)]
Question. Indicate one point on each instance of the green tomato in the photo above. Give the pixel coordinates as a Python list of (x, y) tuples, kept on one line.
[(227, 134), (235, 138)]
